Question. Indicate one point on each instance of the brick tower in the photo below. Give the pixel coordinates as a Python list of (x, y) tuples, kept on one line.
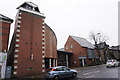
[(28, 50)]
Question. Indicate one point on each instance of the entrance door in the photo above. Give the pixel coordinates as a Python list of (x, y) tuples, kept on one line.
[(81, 65), (46, 63)]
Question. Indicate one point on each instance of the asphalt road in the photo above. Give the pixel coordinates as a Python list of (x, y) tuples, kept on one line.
[(98, 73)]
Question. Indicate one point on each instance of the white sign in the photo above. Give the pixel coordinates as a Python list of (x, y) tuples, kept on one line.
[(3, 57)]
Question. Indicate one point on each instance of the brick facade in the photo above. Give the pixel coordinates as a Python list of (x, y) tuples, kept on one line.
[(80, 53), (4, 33), (29, 46)]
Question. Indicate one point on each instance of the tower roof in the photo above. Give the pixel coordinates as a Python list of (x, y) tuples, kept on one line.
[(31, 8)]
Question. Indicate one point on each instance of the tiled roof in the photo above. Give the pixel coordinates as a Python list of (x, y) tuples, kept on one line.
[(83, 42)]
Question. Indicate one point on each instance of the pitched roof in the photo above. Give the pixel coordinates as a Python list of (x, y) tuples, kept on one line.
[(2, 17), (115, 47), (83, 42)]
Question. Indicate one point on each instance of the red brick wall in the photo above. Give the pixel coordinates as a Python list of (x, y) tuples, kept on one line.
[(4, 35), (77, 50), (51, 43), (30, 42)]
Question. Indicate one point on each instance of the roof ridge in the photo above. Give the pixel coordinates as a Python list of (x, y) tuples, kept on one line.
[(77, 37)]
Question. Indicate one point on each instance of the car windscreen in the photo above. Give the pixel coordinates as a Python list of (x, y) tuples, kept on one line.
[(109, 61)]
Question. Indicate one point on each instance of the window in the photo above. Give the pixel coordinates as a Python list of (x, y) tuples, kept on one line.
[(31, 56), (66, 47), (71, 46)]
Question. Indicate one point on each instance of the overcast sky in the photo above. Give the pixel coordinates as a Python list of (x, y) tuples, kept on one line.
[(73, 17)]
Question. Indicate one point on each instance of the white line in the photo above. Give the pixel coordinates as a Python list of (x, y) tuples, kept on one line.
[(96, 71), (90, 72), (87, 73)]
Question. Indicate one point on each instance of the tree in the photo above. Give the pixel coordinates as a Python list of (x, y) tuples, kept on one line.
[(112, 56), (98, 38)]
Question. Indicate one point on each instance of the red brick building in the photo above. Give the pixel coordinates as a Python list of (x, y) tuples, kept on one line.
[(84, 52), (34, 44), (5, 23)]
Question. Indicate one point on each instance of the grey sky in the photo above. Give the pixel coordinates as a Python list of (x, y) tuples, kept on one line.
[(73, 17)]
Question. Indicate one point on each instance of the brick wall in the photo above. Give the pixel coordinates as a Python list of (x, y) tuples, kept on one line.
[(77, 50), (4, 35)]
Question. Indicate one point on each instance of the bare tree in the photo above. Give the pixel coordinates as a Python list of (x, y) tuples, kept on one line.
[(98, 38)]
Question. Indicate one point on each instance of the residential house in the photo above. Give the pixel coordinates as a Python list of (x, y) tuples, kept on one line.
[(84, 53), (104, 50), (114, 52)]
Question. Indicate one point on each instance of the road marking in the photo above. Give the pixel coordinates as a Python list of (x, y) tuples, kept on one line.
[(96, 71), (87, 73), (90, 72), (89, 76)]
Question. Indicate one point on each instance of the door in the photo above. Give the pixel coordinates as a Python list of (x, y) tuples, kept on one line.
[(81, 65), (8, 72)]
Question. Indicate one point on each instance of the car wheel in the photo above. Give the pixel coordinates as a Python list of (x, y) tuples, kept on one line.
[(114, 65), (74, 75), (56, 78), (107, 66)]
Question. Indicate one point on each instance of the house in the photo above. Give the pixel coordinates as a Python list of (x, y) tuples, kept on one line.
[(104, 50), (84, 52), (5, 24), (33, 47), (114, 52)]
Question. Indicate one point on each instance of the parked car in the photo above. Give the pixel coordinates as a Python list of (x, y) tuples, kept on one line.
[(59, 72), (112, 63)]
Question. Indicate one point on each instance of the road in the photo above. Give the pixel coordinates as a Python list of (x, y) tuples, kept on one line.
[(98, 73)]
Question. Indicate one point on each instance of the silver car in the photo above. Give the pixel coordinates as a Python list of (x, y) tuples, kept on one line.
[(59, 72)]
